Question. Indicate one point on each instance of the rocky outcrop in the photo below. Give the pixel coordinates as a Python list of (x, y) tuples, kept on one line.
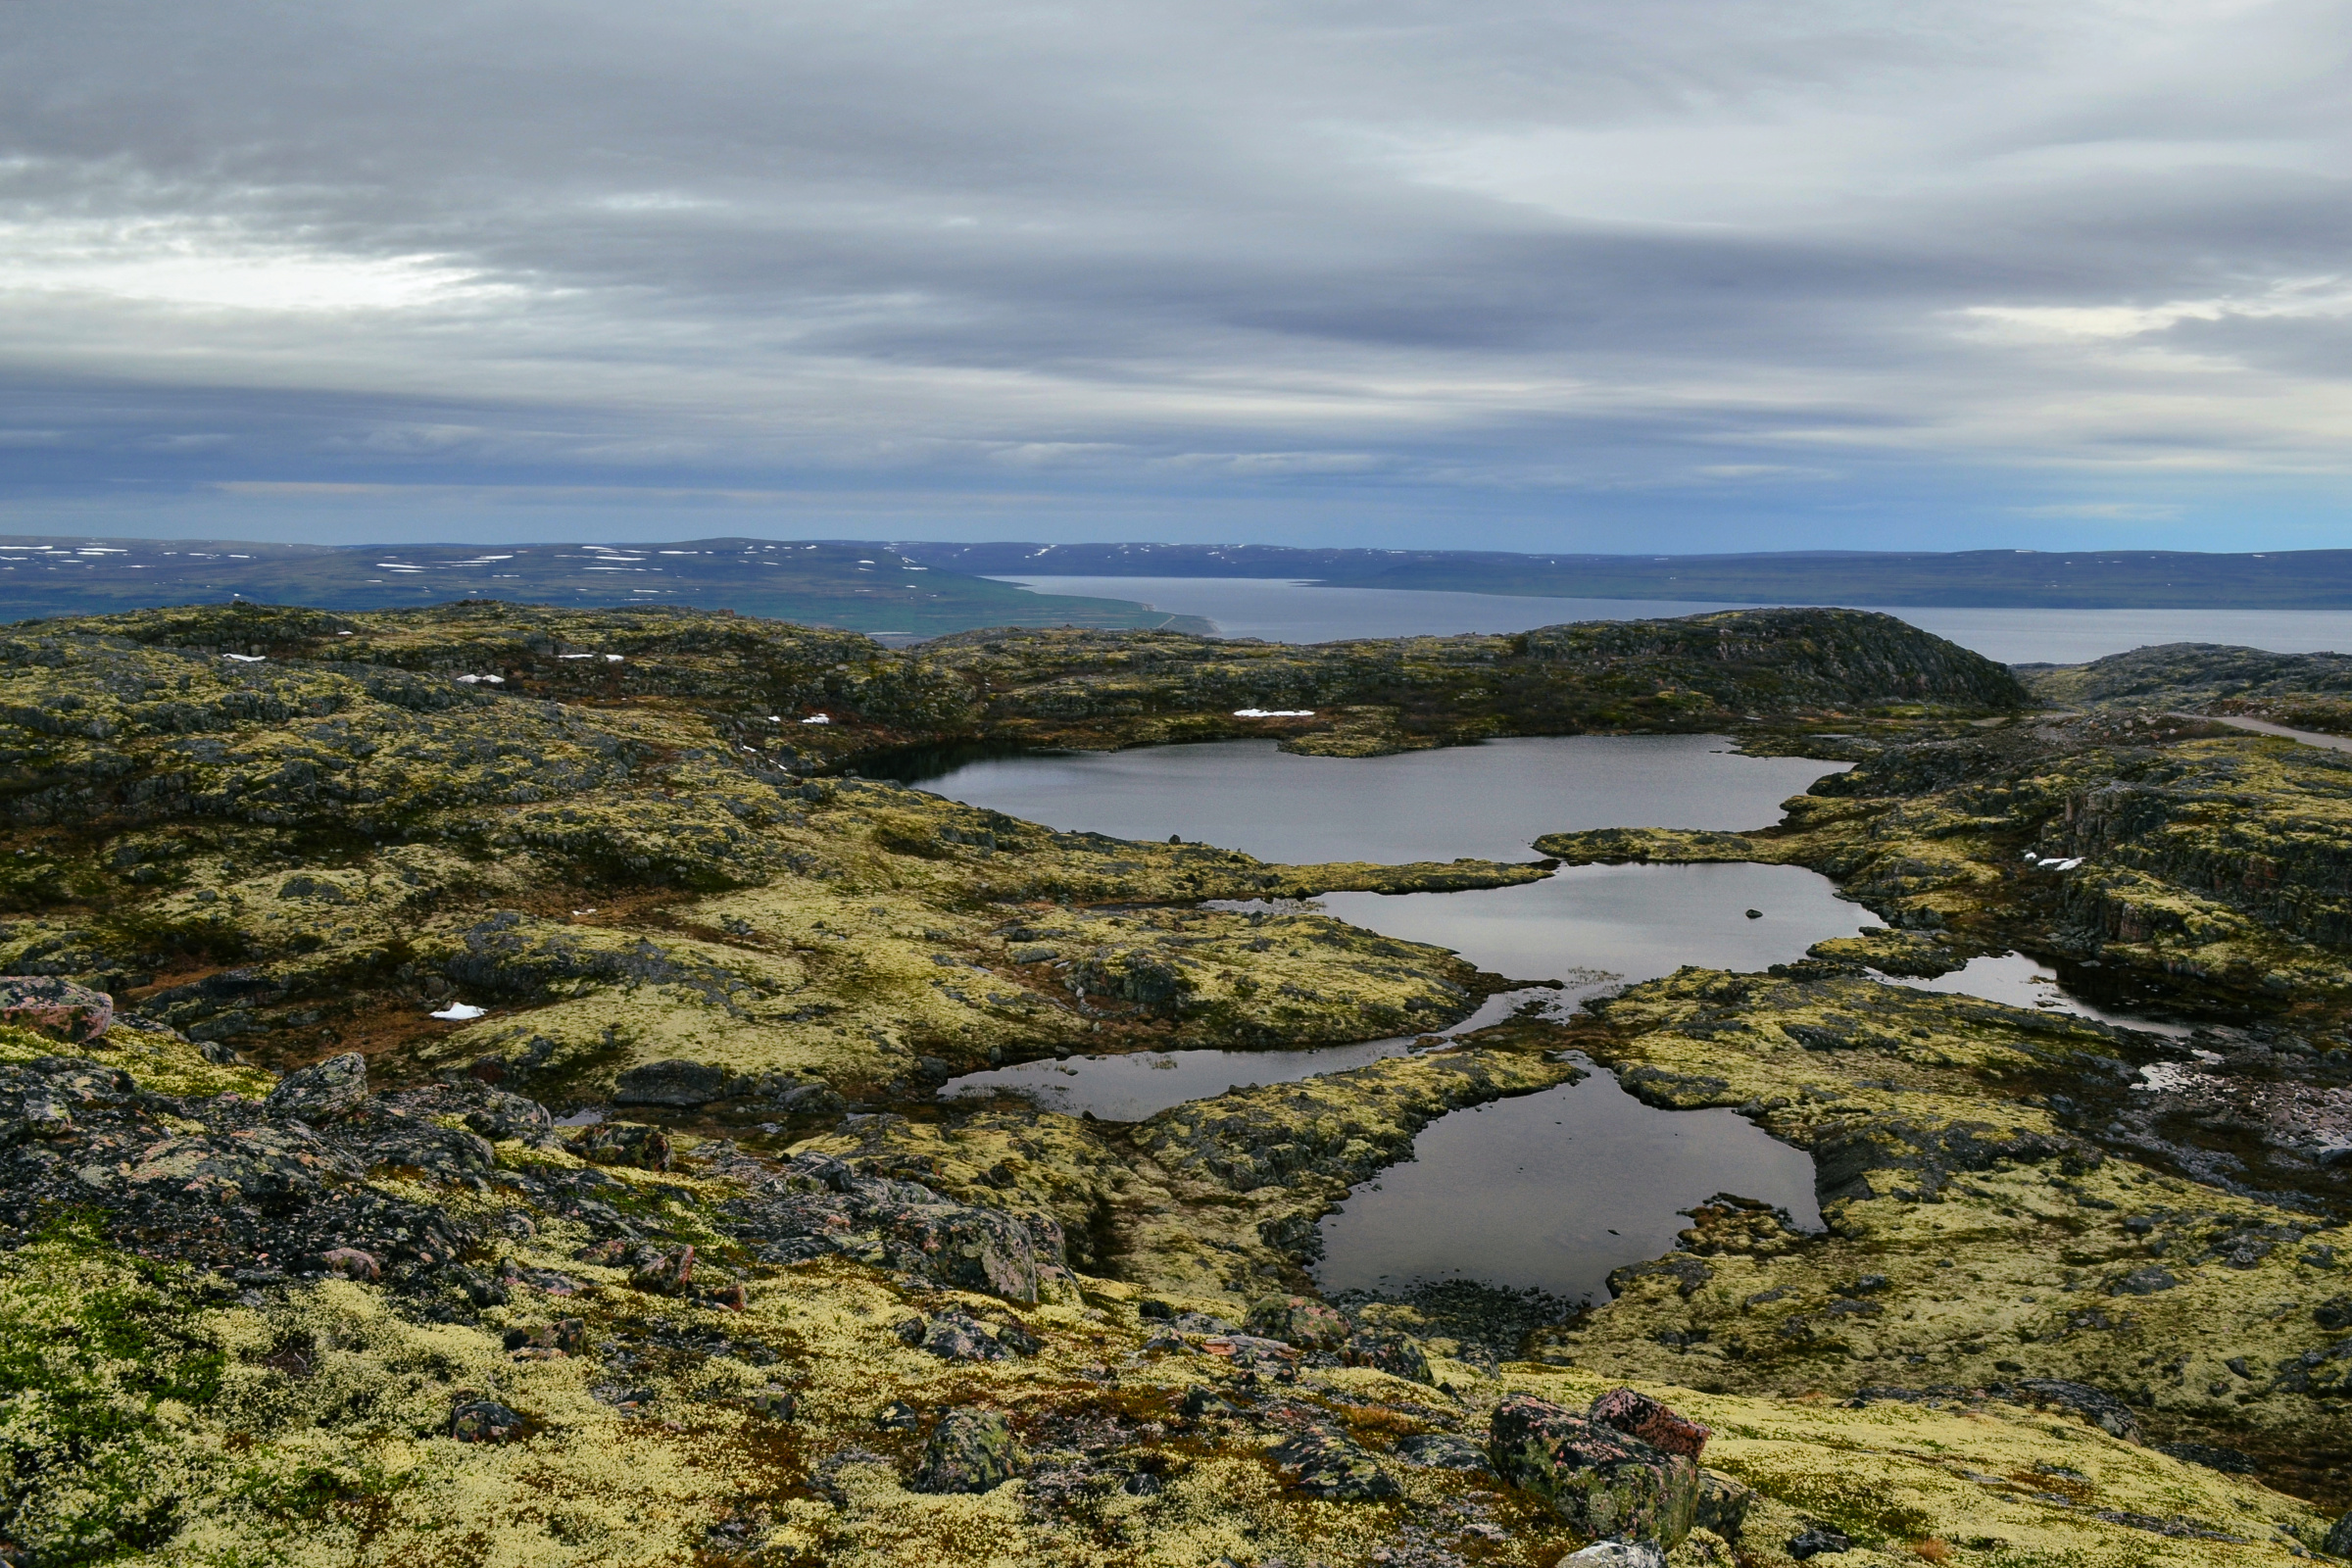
[(970, 1450), (58, 1008), (1598, 1480), (818, 1206)]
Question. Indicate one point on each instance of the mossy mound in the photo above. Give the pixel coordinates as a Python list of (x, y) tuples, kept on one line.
[(2213, 857)]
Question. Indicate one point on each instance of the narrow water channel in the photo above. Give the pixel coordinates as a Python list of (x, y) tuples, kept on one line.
[(1143, 1083)]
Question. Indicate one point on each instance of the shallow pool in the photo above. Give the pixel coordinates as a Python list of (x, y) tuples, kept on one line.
[(1551, 1191)]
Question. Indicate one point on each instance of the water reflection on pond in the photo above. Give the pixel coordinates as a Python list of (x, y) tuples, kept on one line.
[(1492, 800), (1551, 1191), (1638, 922), (1144, 1083), (2019, 981)]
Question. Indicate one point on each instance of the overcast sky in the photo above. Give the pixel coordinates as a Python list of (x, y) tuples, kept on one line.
[(1699, 275)]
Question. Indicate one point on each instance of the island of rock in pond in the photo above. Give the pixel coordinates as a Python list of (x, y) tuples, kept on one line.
[(299, 1271)]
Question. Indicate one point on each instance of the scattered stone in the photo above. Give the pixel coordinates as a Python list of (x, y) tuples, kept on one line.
[(322, 1091), (1723, 1505), (1597, 1478), (352, 1264), (2142, 1282), (2095, 1405), (668, 1272), (484, 1421), (1620, 1553), (1325, 1462), (1818, 1539), (2230, 1461), (775, 1403), (1640, 1416), (2335, 1312), (898, 1416), (1398, 1354), (1299, 1320), (971, 1449), (57, 1008)]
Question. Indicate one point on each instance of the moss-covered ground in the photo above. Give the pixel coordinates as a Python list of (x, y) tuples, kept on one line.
[(279, 835)]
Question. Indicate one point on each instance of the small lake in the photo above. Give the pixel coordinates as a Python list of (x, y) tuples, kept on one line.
[(1550, 1190), (1490, 800), (1288, 611)]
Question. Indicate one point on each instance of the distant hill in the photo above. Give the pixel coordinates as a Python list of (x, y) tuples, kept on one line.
[(858, 587), (2090, 579), (930, 589)]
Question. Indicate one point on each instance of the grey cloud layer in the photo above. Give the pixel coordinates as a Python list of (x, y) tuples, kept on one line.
[(1810, 261)]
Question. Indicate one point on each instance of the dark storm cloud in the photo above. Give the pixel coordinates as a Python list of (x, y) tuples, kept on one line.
[(1809, 263)]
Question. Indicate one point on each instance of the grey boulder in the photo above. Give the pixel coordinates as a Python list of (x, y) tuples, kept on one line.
[(322, 1091)]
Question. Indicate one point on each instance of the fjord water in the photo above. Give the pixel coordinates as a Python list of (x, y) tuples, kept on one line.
[(1286, 611), (1551, 1191)]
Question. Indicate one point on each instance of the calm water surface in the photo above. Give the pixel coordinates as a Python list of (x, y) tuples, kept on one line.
[(1144, 1083), (1634, 922), (1553, 1190), (1490, 800), (1286, 611)]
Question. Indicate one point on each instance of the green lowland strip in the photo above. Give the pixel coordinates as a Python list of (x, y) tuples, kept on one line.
[(318, 921)]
